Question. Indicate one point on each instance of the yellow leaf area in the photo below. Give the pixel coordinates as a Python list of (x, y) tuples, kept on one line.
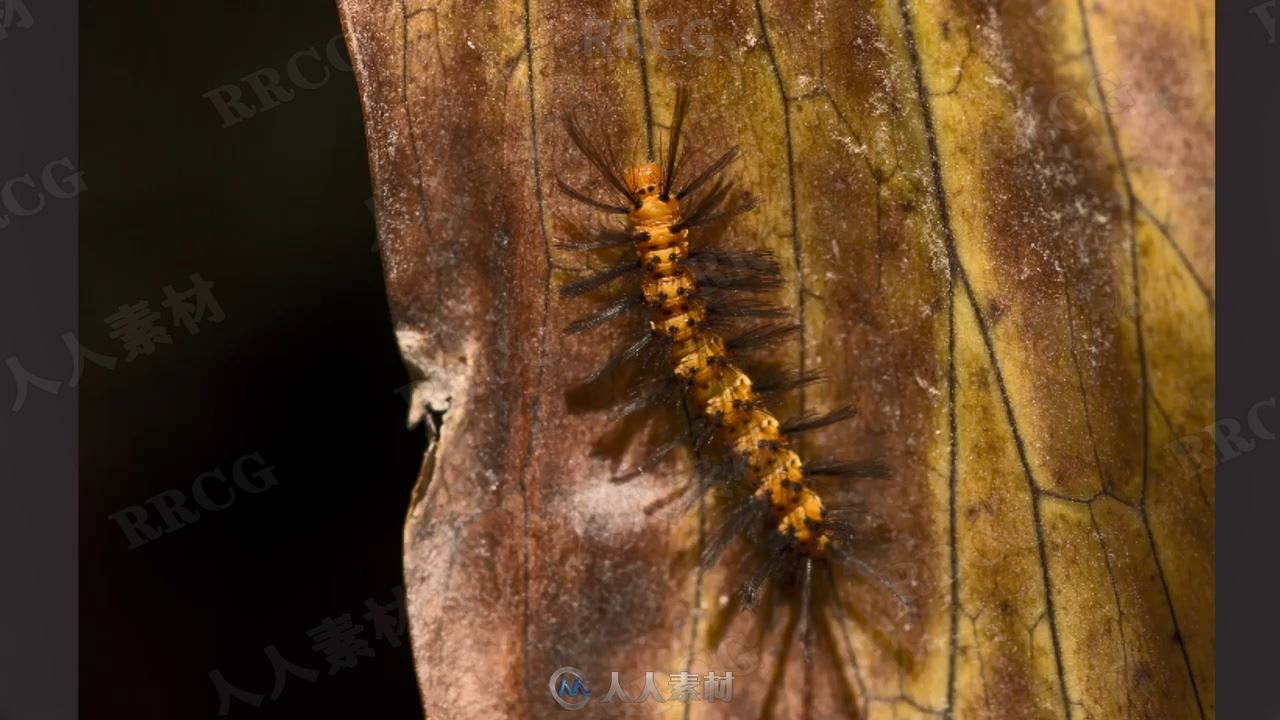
[(996, 223)]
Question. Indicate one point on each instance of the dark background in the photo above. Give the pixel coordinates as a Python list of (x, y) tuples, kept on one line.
[(302, 370)]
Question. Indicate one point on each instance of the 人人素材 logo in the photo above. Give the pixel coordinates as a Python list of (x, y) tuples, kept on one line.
[(568, 688)]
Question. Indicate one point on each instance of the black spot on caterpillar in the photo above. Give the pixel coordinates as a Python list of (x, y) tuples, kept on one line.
[(705, 320)]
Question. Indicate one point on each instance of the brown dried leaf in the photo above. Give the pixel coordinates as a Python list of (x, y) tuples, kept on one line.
[(997, 219)]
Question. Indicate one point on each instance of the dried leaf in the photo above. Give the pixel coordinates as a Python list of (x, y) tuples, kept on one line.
[(996, 221)]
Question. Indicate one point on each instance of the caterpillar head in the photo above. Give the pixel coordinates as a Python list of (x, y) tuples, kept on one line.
[(644, 180)]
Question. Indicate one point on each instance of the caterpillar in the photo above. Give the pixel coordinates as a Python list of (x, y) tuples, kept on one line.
[(701, 308)]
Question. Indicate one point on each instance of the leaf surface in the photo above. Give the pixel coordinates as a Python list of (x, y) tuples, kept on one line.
[(996, 221)]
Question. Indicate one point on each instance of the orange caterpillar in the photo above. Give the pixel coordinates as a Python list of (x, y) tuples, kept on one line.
[(694, 299)]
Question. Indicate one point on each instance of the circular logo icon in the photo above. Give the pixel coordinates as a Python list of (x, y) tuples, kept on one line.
[(569, 689)]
